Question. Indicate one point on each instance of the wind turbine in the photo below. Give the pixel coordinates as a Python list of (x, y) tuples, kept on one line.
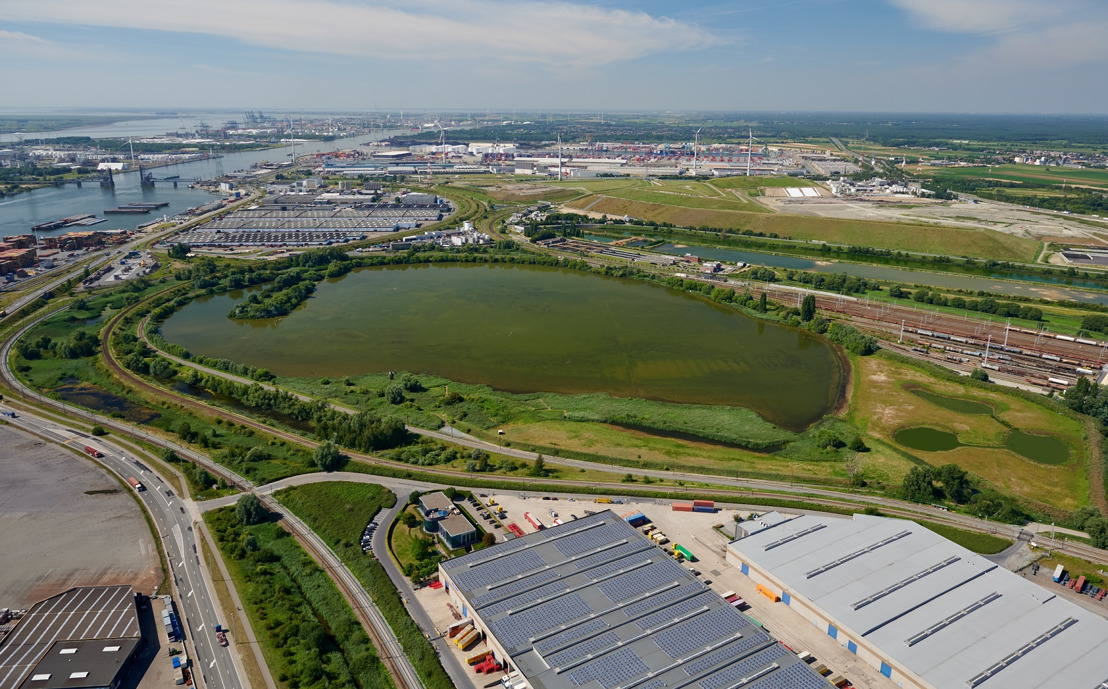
[(695, 147)]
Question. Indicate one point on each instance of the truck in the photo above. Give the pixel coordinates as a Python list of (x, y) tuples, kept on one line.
[(136, 484), (1058, 572), (1080, 585), (92, 451), (221, 635)]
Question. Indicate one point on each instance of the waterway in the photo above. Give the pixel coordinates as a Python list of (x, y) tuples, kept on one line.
[(1023, 285), (531, 329), (19, 213)]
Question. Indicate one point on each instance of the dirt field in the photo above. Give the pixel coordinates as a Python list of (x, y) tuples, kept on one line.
[(1007, 218), (58, 530)]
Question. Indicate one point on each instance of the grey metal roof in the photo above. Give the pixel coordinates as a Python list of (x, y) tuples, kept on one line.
[(100, 612), (934, 608), (456, 525), (593, 604), (436, 501)]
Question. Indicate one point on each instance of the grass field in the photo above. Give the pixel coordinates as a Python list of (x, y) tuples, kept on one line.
[(799, 462), (949, 241), (985, 544), (1097, 179), (882, 405)]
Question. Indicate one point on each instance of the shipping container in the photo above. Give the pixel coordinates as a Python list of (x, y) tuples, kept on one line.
[(684, 552), (604, 500), (93, 451), (634, 518), (136, 484), (682, 507), (1080, 585), (702, 508), (703, 503)]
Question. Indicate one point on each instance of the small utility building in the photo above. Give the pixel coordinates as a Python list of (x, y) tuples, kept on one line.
[(928, 613), (442, 517), (592, 604)]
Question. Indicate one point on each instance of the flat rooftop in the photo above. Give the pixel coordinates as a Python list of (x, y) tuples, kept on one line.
[(593, 604), (930, 606), (64, 637)]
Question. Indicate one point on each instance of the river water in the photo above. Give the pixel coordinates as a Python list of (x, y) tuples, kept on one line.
[(19, 213), (1022, 286)]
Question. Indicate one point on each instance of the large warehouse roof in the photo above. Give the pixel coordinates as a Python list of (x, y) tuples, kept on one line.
[(949, 616), (63, 640), (593, 604)]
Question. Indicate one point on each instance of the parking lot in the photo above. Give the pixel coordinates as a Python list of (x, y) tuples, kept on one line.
[(504, 513)]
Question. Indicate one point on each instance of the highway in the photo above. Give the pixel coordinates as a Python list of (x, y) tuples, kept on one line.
[(173, 518)]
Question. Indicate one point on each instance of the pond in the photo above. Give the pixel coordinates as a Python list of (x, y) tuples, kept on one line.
[(1038, 447), (926, 439), (531, 329)]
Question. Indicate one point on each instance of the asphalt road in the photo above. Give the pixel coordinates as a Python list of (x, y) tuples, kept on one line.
[(173, 519)]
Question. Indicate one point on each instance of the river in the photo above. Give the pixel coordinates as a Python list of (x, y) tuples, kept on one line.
[(19, 213)]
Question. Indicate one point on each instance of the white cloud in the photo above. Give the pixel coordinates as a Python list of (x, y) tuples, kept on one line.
[(545, 32), (980, 16), (18, 45)]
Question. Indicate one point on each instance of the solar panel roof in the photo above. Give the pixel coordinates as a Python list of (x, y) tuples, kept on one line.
[(592, 603)]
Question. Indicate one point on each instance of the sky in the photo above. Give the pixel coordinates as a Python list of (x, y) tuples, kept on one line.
[(958, 56)]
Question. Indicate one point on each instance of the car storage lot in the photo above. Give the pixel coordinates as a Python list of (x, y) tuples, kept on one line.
[(694, 531), (58, 530)]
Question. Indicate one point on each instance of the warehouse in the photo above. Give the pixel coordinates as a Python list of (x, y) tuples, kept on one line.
[(593, 604), (926, 612), (81, 638)]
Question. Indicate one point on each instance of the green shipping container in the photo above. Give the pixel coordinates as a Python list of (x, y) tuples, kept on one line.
[(684, 551)]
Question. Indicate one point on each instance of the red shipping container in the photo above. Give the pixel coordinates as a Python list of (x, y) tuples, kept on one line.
[(682, 507), (704, 503)]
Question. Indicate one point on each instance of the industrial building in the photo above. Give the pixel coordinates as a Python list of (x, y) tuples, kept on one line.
[(593, 604), (926, 612), (82, 638)]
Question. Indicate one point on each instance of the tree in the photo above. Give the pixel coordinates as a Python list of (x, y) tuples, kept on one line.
[(394, 394), (538, 468), (249, 510), (1097, 528), (980, 374), (488, 539), (919, 484), (808, 308), (956, 482), (858, 445), (763, 303), (411, 520), (327, 456), (98, 430), (179, 251)]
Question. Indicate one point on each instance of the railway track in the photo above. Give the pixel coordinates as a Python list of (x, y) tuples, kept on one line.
[(388, 648), (740, 490)]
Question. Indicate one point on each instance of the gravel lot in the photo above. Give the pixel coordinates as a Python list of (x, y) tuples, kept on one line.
[(55, 535)]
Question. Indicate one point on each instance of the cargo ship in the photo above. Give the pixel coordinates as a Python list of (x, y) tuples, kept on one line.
[(64, 222)]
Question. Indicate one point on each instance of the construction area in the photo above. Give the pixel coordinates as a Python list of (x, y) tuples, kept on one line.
[(97, 534), (923, 611)]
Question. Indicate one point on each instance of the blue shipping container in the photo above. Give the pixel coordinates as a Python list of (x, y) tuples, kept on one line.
[(699, 508)]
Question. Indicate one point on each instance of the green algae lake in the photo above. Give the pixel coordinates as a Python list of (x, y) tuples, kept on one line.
[(532, 329)]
